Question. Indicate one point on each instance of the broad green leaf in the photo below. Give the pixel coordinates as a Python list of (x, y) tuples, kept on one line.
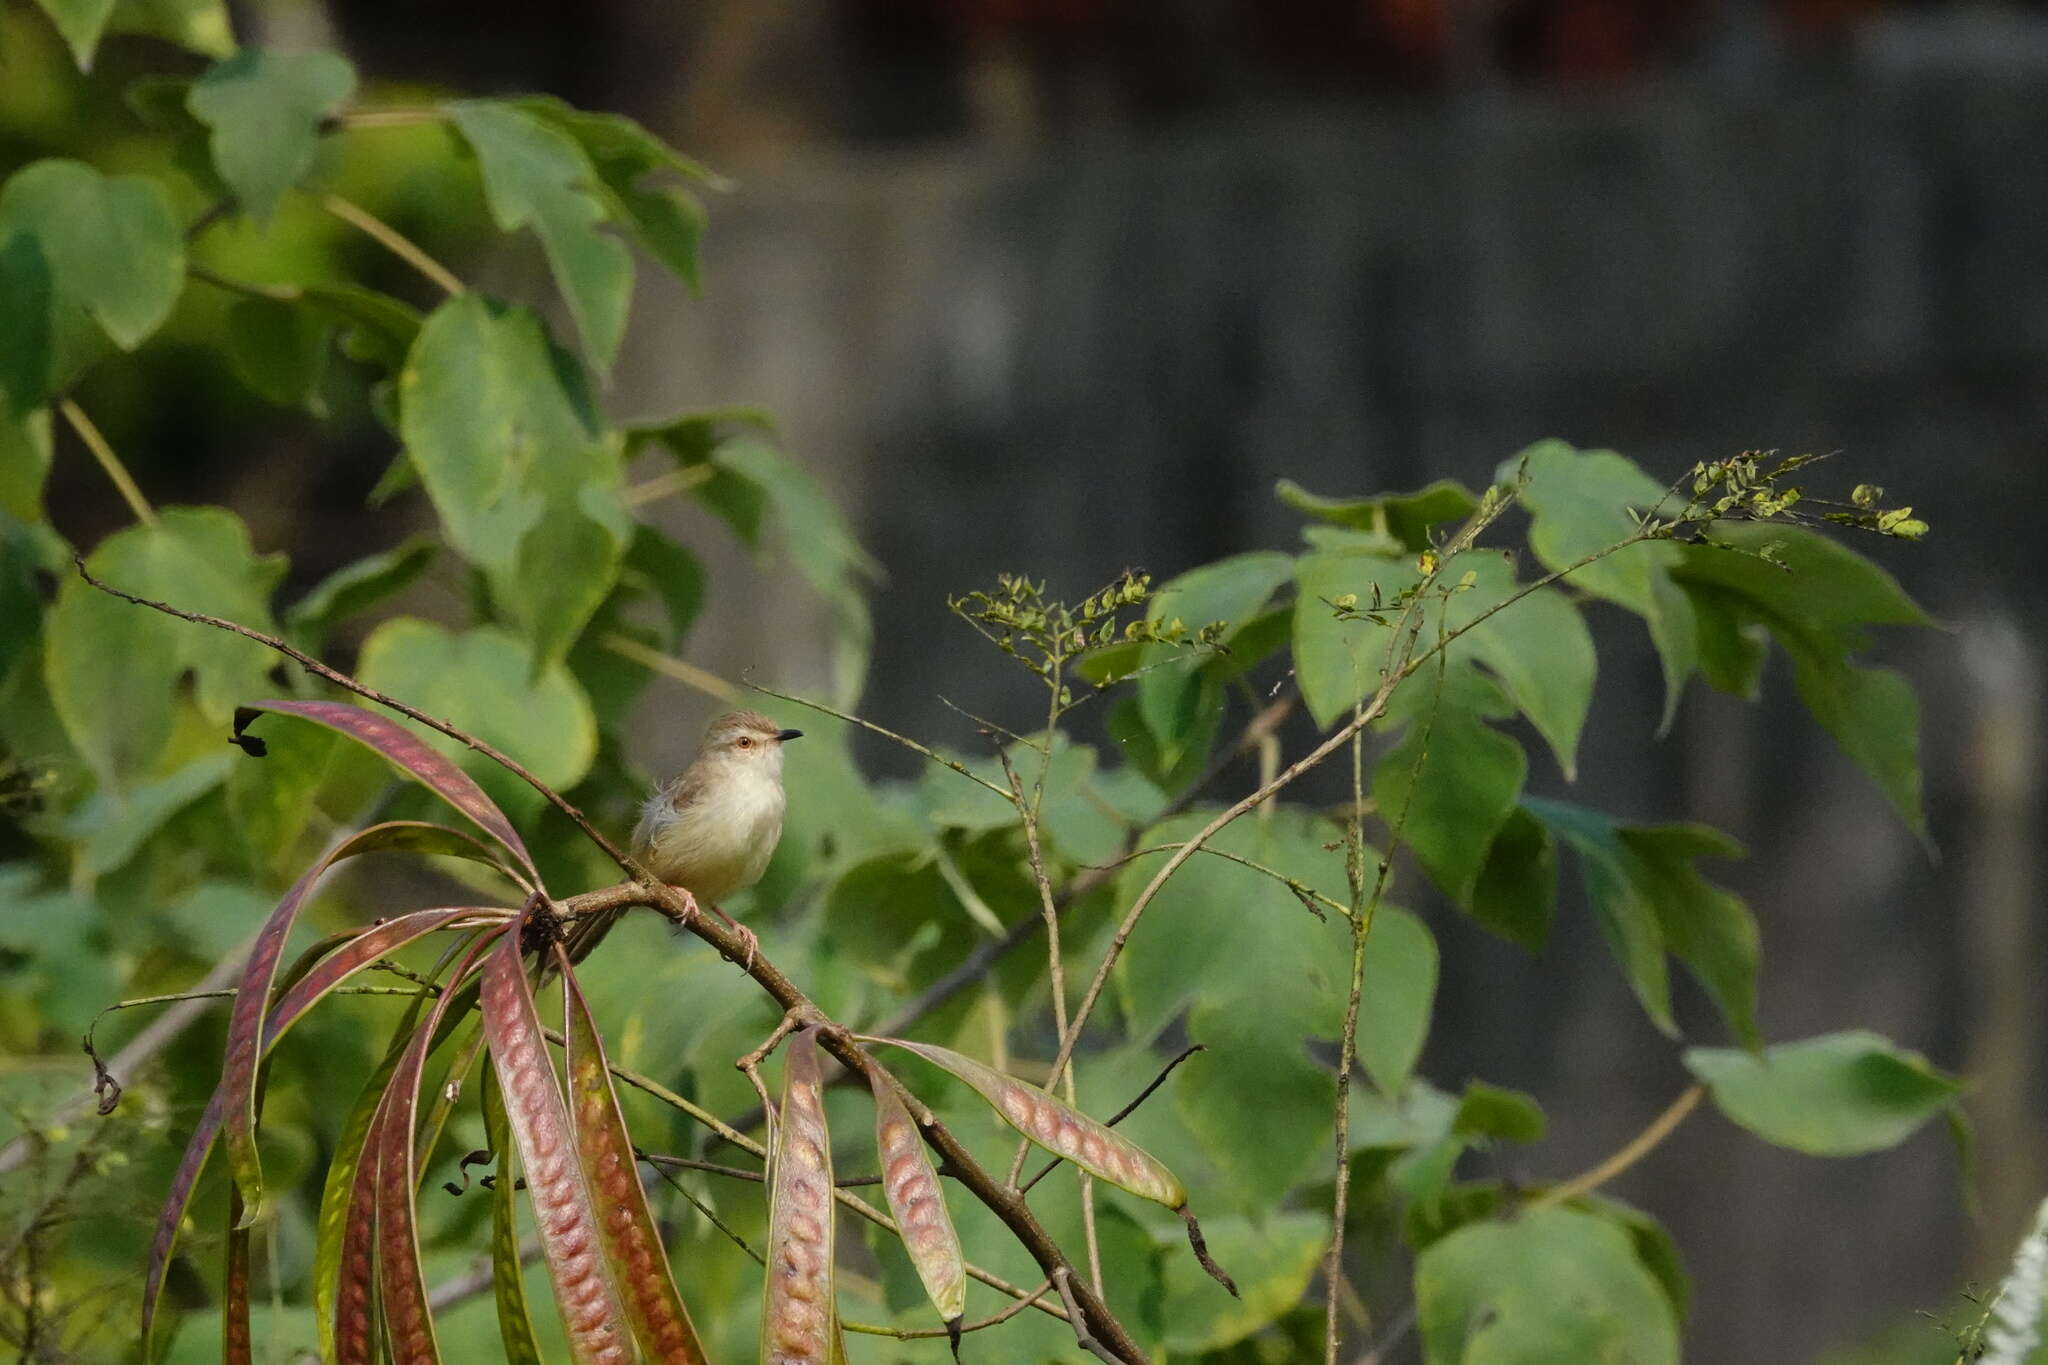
[(667, 570), (1538, 647), (666, 220), (479, 681), (1580, 504), (24, 462), (376, 328), (1407, 517), (84, 258), (1840, 1094), (1491, 1111), (1398, 993), (1271, 1258), (1554, 1285), (1516, 894), (1651, 900), (1448, 787), (80, 22), (109, 828), (1817, 598), (538, 176), (1232, 590), (196, 25), (507, 442), (1337, 654), (111, 666), (1733, 643), (819, 542), (355, 588), (265, 109), (1257, 1103), (279, 351)]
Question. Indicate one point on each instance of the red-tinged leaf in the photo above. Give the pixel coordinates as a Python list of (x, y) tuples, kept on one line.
[(660, 1321), (918, 1202), (245, 1024), (369, 945), (405, 749), (355, 1295), (237, 1344), (353, 1154), (447, 1094), (515, 1323), (1059, 1127), (797, 1307), (592, 1316)]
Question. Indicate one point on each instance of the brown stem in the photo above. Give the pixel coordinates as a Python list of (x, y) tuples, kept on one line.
[(1628, 1155)]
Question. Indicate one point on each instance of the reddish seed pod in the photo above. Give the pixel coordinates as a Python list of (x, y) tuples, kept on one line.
[(916, 1198), (1060, 1129), (797, 1307)]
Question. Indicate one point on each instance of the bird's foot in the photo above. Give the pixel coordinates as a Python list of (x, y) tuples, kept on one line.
[(747, 936)]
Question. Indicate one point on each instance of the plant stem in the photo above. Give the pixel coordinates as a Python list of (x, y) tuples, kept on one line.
[(688, 674), (1628, 1155), (109, 461), (393, 241)]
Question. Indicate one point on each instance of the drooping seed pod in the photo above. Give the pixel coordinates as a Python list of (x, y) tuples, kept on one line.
[(1059, 1127), (797, 1307), (918, 1201)]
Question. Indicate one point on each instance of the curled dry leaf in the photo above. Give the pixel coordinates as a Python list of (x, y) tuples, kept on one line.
[(797, 1309), (917, 1200), (1059, 1127)]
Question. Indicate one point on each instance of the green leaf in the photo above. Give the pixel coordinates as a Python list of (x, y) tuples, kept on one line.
[(111, 828), (1451, 783), (1272, 1259), (1554, 1285), (1817, 598), (80, 22), (538, 176), (1650, 900), (24, 462), (1733, 643), (265, 109), (1840, 1094), (279, 351), (1580, 503), (111, 666), (377, 329), (1538, 647), (1337, 660), (84, 258), (1516, 894), (666, 220), (1232, 590), (355, 588), (196, 25), (1407, 517), (819, 542), (480, 682), (1491, 1111), (507, 442), (1396, 997), (658, 565)]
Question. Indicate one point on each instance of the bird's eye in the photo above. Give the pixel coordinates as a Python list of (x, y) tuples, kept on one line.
[(745, 743)]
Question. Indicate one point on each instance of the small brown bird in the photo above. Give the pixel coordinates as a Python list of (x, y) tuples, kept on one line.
[(712, 828)]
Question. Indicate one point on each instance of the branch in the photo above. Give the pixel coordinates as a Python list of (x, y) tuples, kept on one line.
[(108, 461), (393, 241)]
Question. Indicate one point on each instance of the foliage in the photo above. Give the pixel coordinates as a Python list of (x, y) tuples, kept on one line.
[(1299, 997)]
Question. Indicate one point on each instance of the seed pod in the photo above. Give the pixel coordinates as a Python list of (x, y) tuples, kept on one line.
[(918, 1201), (1058, 1127), (661, 1324), (798, 1308), (515, 1322)]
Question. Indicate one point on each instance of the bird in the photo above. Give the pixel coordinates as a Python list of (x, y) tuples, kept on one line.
[(712, 828)]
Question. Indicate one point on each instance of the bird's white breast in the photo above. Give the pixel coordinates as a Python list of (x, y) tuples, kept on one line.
[(718, 844)]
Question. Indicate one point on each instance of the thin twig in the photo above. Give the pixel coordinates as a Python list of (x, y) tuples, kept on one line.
[(391, 118), (887, 733), (1628, 1155), (922, 1333), (117, 472), (393, 241), (679, 480), (1315, 900)]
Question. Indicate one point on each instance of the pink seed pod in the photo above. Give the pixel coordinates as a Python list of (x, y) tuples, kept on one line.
[(797, 1307), (1059, 1128), (911, 1184)]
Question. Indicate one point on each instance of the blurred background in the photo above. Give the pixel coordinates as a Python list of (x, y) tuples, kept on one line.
[(1058, 286)]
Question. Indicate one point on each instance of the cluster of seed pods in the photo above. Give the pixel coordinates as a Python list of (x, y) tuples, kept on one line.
[(916, 1199), (797, 1309), (1059, 1128)]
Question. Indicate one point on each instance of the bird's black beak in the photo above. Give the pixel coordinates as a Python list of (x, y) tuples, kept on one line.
[(788, 734)]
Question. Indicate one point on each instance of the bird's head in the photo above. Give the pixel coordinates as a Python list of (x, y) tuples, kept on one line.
[(747, 738)]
